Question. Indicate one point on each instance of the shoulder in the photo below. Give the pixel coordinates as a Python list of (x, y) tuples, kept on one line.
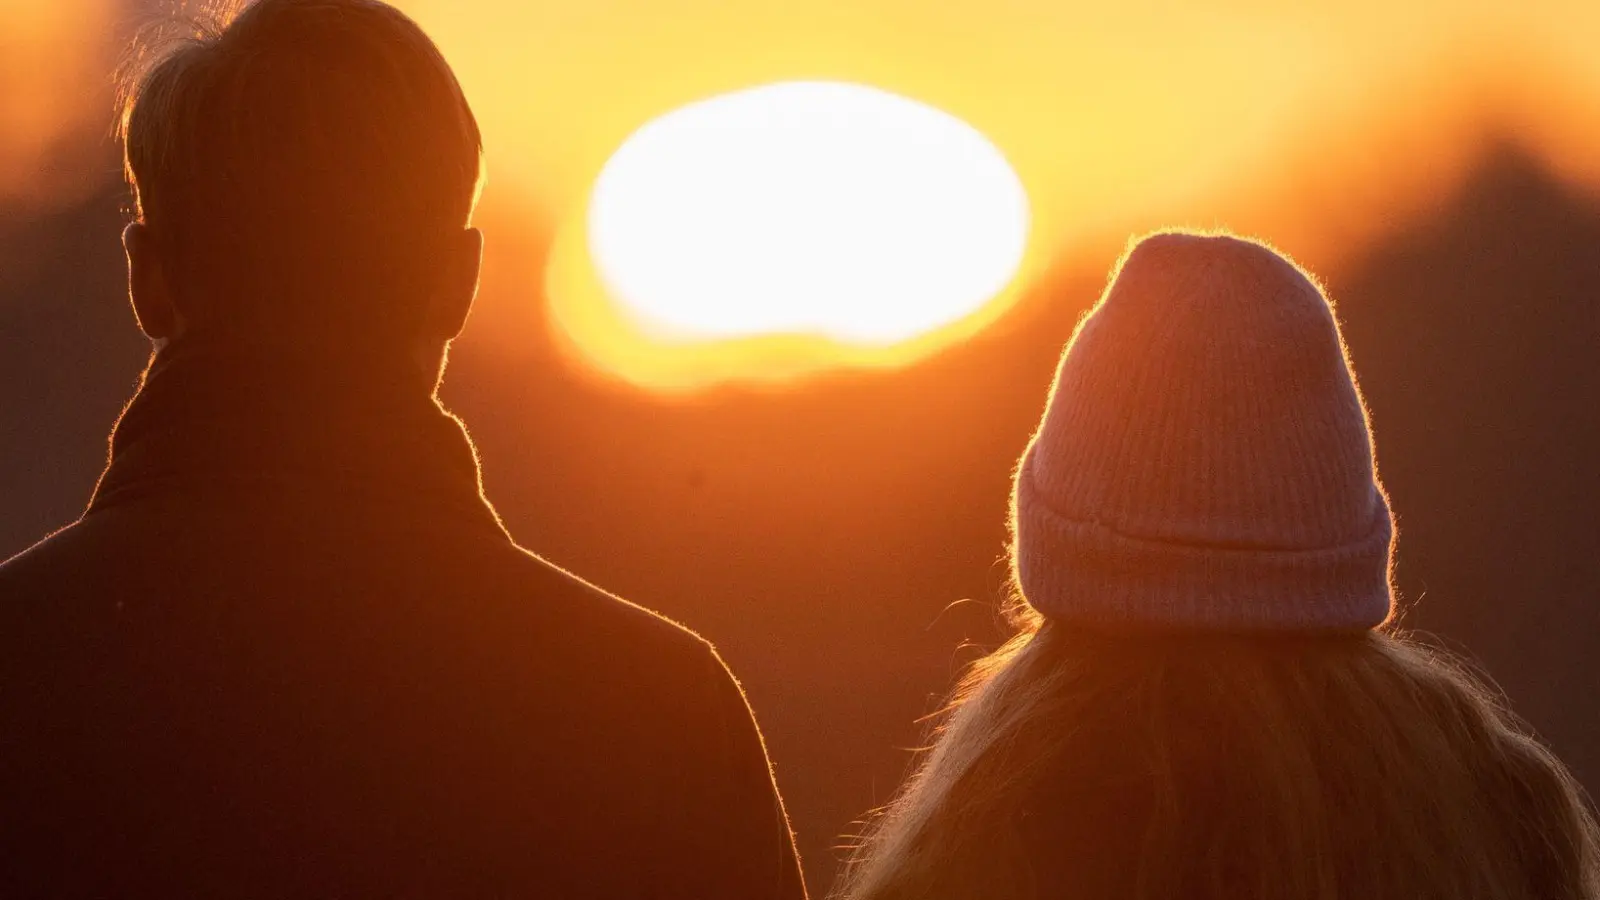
[(552, 602), (50, 592), (639, 670), (41, 563), (106, 553), (603, 609)]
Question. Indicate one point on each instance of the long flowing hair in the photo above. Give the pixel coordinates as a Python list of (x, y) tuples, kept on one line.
[(1077, 764)]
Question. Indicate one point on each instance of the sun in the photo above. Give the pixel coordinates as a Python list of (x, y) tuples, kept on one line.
[(788, 228)]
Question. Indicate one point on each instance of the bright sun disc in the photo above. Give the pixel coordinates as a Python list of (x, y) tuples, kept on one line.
[(806, 208), (835, 213)]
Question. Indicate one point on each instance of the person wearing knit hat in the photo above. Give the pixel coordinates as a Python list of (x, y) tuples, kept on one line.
[(1208, 695), (1204, 460)]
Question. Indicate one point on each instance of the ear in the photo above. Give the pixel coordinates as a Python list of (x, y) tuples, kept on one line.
[(148, 286), (458, 284)]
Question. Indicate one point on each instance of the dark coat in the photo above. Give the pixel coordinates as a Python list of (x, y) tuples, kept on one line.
[(290, 651)]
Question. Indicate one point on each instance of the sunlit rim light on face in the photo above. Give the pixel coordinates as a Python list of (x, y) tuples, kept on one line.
[(812, 208)]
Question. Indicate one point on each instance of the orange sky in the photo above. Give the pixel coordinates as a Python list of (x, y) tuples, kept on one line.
[(1116, 116), (54, 84), (1106, 110), (1291, 118)]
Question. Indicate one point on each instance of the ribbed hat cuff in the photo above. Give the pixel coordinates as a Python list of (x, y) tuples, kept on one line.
[(1087, 572)]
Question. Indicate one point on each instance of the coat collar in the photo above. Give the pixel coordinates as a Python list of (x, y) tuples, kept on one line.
[(216, 412)]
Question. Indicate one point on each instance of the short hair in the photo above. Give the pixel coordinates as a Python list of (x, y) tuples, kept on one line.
[(296, 160)]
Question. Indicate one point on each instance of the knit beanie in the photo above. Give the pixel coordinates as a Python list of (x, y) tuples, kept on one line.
[(1204, 460)]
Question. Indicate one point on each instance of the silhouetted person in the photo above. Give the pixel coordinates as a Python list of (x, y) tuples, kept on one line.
[(289, 650), (1207, 699)]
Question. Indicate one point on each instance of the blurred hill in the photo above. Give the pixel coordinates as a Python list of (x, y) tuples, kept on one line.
[(826, 536), (1476, 338)]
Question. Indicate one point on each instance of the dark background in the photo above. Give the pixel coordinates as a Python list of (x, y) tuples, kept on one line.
[(841, 540)]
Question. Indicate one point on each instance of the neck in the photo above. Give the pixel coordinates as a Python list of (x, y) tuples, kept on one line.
[(273, 370)]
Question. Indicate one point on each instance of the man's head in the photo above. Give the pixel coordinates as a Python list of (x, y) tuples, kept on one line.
[(304, 170)]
